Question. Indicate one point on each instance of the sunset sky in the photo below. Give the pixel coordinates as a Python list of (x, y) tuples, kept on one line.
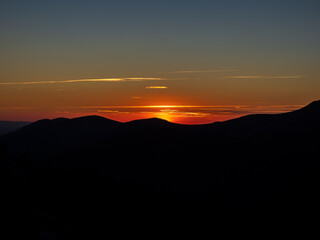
[(186, 61)]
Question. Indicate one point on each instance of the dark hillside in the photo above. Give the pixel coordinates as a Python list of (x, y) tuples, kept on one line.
[(92, 178)]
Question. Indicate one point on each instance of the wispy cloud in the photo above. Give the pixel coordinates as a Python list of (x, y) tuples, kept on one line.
[(107, 111), (85, 80), (265, 77), (208, 113), (201, 71), (200, 108), (141, 79), (156, 87)]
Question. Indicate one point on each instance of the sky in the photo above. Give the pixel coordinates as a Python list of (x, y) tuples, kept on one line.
[(186, 61)]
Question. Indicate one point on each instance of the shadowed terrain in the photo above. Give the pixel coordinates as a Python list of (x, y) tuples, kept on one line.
[(8, 126), (95, 178)]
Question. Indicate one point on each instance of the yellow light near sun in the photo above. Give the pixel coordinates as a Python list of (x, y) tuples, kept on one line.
[(164, 115)]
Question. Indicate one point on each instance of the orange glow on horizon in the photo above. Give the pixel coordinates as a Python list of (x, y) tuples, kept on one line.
[(184, 114)]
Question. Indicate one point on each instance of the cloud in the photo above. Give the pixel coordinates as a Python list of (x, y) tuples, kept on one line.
[(107, 111), (265, 77), (201, 71), (185, 113), (156, 87), (85, 80), (199, 110), (143, 79)]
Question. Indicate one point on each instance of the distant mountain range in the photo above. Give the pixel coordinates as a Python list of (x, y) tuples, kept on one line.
[(92, 177), (9, 126)]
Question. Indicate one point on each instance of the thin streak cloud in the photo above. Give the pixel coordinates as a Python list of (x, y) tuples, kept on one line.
[(156, 87), (85, 80), (204, 107), (201, 71)]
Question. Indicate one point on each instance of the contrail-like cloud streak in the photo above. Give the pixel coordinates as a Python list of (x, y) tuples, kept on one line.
[(84, 80)]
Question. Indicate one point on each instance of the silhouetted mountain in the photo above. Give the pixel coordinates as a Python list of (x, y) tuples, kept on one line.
[(54, 136), (91, 177), (8, 126), (150, 122)]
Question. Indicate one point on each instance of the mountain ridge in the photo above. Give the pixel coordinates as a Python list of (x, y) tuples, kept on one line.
[(9, 126), (131, 178), (312, 108), (60, 133), (92, 125)]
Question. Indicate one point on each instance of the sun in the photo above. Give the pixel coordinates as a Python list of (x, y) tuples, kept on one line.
[(164, 115), (165, 112)]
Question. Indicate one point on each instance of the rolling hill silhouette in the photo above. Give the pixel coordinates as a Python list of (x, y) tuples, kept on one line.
[(152, 179), (9, 126)]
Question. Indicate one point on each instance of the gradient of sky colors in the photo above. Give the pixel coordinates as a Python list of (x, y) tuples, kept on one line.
[(187, 61)]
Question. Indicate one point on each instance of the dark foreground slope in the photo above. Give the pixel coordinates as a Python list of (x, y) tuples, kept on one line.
[(94, 178)]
